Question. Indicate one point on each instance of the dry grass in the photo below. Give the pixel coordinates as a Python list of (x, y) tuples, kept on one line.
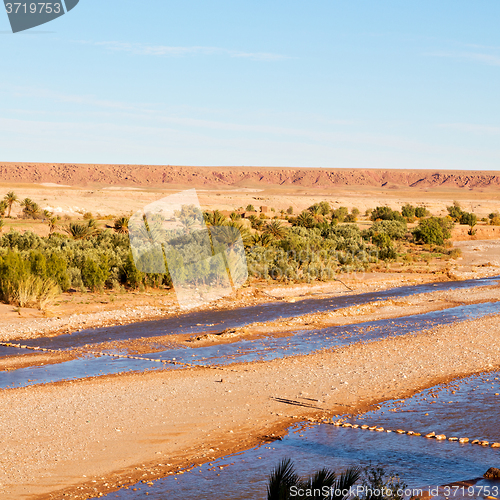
[(31, 291)]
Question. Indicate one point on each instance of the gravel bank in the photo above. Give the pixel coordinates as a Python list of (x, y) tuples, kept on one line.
[(93, 435)]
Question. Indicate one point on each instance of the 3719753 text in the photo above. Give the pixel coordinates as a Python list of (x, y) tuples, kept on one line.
[(34, 8)]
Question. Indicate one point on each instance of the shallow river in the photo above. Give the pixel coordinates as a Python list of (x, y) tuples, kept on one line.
[(266, 348), (465, 408)]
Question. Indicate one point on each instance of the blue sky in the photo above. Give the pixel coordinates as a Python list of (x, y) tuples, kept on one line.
[(317, 83)]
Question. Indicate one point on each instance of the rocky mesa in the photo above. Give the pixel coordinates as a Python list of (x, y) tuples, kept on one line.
[(220, 177)]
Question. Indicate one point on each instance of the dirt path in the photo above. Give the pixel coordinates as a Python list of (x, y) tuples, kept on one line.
[(93, 435)]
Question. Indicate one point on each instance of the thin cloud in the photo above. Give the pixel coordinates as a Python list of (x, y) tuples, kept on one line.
[(489, 59), (173, 51), (471, 128)]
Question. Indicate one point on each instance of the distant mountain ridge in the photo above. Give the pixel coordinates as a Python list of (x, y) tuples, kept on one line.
[(165, 175)]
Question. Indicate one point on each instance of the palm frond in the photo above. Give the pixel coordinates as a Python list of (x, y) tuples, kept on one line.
[(282, 478)]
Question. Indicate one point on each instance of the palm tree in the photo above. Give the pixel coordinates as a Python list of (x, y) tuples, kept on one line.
[(10, 198), (246, 237), (30, 209), (263, 240), (283, 478), (3, 208), (275, 228), (81, 231), (121, 225), (1, 225), (53, 223), (187, 223), (214, 218), (305, 219)]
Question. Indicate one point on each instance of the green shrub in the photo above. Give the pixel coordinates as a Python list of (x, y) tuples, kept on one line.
[(95, 274), (455, 211), (468, 219), (396, 230), (385, 213), (408, 211), (421, 212), (433, 231)]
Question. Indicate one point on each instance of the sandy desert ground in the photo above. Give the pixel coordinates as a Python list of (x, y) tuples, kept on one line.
[(82, 438)]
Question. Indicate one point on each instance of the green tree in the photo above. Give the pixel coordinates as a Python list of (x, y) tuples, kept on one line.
[(250, 208)]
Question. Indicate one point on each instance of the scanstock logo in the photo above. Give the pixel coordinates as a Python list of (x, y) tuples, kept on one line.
[(26, 15), (204, 257)]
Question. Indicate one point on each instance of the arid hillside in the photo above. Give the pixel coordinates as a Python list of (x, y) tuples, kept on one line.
[(169, 175)]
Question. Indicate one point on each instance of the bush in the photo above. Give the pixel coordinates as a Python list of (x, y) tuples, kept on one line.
[(421, 212), (433, 231), (340, 214), (379, 485), (468, 219), (95, 274), (408, 211), (396, 230), (455, 211), (385, 213)]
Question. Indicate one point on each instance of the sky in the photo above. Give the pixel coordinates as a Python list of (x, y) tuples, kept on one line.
[(316, 83)]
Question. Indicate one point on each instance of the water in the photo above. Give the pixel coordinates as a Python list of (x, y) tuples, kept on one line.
[(420, 462), (210, 321), (268, 348)]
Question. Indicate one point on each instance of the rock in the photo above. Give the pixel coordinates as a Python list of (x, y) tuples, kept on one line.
[(379, 429), (364, 426), (476, 441), (495, 445), (484, 443), (492, 473), (463, 440), (355, 426), (453, 439), (372, 428), (440, 437), (347, 425), (400, 431), (431, 435)]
